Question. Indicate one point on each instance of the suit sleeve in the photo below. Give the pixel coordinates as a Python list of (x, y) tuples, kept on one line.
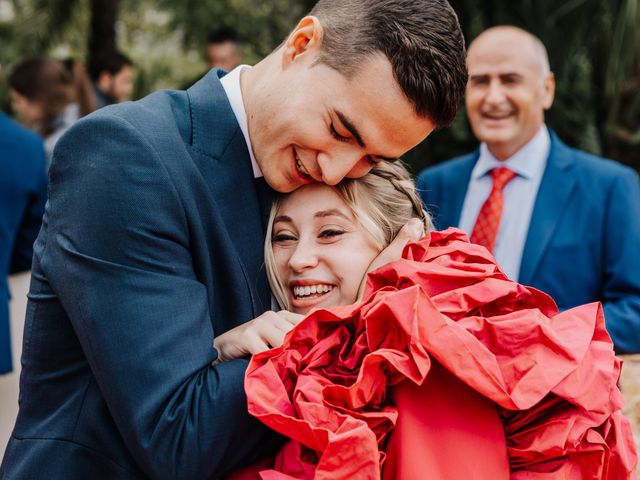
[(117, 254), (32, 218), (621, 286)]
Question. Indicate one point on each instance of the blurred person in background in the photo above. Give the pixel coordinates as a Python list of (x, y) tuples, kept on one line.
[(558, 219), (45, 97), (81, 85), (223, 49), (23, 192), (112, 76)]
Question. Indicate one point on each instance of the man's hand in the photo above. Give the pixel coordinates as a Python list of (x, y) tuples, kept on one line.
[(260, 334), (411, 232)]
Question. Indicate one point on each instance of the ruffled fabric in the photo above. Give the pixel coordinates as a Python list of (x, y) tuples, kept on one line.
[(552, 376)]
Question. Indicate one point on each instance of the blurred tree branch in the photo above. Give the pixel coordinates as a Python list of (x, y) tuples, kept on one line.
[(102, 32)]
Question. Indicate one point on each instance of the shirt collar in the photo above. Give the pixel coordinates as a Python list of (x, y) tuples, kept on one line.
[(528, 162), (231, 84)]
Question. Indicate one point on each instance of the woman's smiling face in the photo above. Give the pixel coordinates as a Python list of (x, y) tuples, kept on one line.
[(321, 251)]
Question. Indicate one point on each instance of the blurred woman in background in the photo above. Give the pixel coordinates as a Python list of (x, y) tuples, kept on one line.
[(49, 96)]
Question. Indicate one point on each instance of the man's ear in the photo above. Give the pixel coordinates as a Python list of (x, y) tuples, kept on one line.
[(549, 90), (305, 38)]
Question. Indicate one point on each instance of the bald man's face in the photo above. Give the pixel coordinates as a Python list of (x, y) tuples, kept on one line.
[(508, 91)]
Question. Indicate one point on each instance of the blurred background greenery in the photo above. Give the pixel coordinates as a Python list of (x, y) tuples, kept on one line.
[(594, 49)]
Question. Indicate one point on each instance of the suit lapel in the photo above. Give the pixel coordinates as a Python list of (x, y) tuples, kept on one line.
[(555, 190), (227, 166)]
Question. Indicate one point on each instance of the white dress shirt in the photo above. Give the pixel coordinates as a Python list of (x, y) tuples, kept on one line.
[(231, 84), (520, 194)]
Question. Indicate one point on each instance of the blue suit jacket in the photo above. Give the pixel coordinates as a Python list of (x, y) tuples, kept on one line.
[(584, 236), (23, 192), (151, 244)]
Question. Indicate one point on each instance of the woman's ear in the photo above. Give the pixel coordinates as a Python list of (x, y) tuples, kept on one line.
[(305, 38)]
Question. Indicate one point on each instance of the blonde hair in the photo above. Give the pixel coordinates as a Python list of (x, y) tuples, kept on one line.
[(382, 202)]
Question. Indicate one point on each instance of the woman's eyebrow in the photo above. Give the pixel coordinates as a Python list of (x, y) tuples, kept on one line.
[(282, 218), (330, 213), (321, 214)]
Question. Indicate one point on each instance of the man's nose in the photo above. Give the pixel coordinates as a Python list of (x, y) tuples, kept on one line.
[(495, 93), (335, 166), (303, 257)]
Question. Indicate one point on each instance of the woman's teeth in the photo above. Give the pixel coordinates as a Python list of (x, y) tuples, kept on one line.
[(299, 292)]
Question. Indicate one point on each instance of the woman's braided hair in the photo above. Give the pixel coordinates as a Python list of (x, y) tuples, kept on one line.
[(401, 180), (382, 201)]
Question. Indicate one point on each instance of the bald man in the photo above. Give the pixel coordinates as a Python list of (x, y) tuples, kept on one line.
[(556, 218)]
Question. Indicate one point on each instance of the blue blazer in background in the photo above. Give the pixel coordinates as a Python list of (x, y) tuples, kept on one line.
[(23, 193), (583, 243), (151, 245)]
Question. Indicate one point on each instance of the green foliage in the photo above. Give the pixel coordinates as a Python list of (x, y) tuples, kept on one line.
[(594, 49), (261, 25)]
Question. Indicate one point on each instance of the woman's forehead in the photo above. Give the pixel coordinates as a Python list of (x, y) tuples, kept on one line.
[(315, 200)]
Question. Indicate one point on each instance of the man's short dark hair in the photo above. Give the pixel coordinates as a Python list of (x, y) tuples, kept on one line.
[(111, 63), (222, 35), (421, 38)]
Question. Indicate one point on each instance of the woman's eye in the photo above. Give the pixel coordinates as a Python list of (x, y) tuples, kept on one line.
[(282, 237), (336, 135), (331, 233)]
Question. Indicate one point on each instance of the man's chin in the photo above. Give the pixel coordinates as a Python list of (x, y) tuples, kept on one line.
[(495, 135), (280, 185)]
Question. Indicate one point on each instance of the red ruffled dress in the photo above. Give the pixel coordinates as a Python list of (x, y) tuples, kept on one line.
[(446, 370)]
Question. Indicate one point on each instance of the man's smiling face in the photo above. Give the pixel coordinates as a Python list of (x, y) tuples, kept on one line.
[(509, 89), (313, 124)]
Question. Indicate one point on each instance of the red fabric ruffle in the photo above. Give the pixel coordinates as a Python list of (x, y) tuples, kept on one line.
[(552, 376)]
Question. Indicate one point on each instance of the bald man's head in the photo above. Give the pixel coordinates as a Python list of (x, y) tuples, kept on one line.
[(534, 48), (510, 86)]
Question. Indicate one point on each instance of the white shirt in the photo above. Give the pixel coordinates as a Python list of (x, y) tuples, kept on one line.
[(231, 84), (520, 194)]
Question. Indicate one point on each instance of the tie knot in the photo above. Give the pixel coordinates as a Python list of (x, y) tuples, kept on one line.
[(501, 176)]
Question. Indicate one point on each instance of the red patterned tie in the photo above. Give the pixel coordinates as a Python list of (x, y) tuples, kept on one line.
[(485, 230)]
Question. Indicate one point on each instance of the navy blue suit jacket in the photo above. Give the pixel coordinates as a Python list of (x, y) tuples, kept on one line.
[(151, 245), (23, 192), (584, 238)]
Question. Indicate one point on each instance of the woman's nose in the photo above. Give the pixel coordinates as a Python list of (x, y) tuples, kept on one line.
[(303, 257)]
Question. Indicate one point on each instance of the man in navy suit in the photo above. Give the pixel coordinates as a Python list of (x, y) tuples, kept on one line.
[(152, 239), (23, 193), (570, 224)]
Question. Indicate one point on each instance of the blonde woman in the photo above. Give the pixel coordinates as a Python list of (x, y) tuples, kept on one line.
[(443, 368)]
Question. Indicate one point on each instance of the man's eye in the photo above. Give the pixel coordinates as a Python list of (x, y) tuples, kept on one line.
[(331, 233), (479, 81), (336, 135)]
